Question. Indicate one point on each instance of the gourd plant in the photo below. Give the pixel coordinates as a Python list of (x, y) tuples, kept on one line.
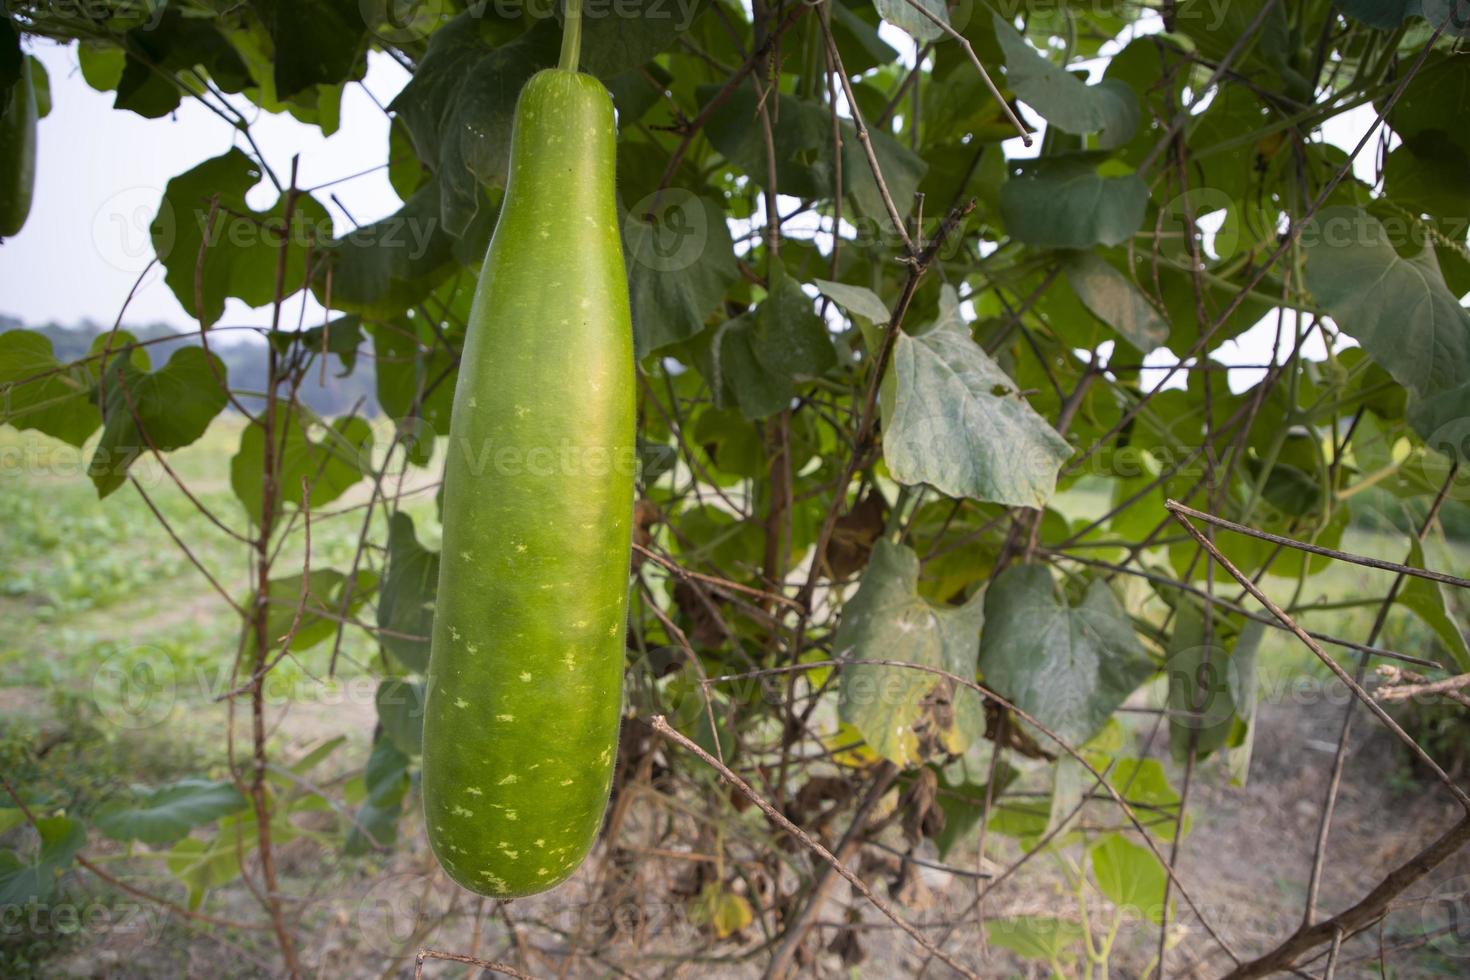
[(945, 459)]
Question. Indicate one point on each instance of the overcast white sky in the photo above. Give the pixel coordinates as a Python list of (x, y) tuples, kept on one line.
[(101, 174)]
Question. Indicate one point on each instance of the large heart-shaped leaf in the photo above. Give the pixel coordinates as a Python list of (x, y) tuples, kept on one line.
[(163, 410), (906, 715), (39, 392), (239, 257), (1108, 108), (1129, 876), (1069, 667), (959, 423), (383, 268), (460, 104), (1066, 203), (1398, 308)]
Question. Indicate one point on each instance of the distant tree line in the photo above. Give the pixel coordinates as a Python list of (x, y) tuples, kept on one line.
[(242, 352)]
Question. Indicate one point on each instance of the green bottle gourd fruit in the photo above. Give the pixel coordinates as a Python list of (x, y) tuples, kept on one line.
[(18, 153), (526, 665)]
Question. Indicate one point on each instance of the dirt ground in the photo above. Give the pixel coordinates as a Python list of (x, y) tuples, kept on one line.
[(1245, 862)]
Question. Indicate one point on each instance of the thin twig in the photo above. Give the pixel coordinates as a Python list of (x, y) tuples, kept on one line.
[(1180, 512), (661, 725), (1379, 563)]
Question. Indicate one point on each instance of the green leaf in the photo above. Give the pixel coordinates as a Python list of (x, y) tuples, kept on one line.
[(963, 804), (802, 137), (1425, 175), (908, 716), (386, 781), (164, 814), (318, 755), (205, 864), (1444, 80), (405, 172), (327, 458), (383, 268), (1428, 601), (757, 359), (167, 50), (1398, 308), (1130, 876), (41, 79), (1069, 667), (1388, 14), (1113, 299), (21, 881), (400, 706), (243, 245), (623, 36), (788, 338), (163, 410), (317, 42), (901, 14), (1108, 108), (406, 602), (1066, 203), (857, 300), (343, 336), (415, 384), (735, 373), (680, 263), (1204, 679), (61, 404), (460, 103), (1036, 938), (959, 423), (326, 589)]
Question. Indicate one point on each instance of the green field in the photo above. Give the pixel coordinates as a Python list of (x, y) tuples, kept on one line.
[(94, 591)]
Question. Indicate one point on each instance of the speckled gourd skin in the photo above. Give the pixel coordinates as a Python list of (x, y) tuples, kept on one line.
[(18, 153), (525, 674)]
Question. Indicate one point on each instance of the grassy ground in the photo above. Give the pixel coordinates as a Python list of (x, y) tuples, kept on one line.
[(99, 604)]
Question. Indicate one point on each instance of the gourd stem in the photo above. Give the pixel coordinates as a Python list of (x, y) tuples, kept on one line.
[(571, 36)]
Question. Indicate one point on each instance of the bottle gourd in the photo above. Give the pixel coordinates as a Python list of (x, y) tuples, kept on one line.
[(18, 152), (525, 674)]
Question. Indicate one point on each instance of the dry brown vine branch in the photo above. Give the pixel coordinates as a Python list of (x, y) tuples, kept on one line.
[(661, 725)]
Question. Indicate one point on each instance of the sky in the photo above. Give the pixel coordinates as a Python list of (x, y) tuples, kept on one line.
[(101, 173)]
